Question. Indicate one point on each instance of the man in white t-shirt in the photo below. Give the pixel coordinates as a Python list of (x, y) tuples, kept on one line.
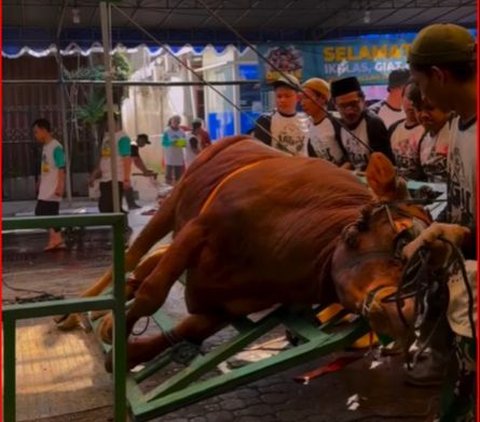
[(366, 129), (405, 137), (324, 133), (52, 179), (433, 146), (390, 110), (285, 128), (442, 60)]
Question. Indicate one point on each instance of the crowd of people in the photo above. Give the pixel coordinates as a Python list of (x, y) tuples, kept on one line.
[(426, 126), (409, 129)]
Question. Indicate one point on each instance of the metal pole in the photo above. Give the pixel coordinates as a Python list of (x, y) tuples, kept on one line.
[(104, 16), (63, 111), (119, 333), (191, 90), (66, 143), (236, 99), (9, 369), (125, 83)]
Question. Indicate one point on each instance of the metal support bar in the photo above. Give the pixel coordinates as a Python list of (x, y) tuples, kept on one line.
[(119, 329), (9, 370), (146, 410), (20, 223), (12, 313), (105, 9), (66, 142), (127, 83), (58, 307), (202, 364), (63, 111)]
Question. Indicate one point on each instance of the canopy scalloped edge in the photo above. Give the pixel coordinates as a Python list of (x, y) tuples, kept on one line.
[(154, 51)]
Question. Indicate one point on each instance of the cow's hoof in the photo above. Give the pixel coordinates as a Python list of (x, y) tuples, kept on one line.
[(71, 322), (105, 329)]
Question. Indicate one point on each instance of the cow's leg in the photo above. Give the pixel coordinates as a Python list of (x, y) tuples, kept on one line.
[(154, 289), (194, 328), (141, 271)]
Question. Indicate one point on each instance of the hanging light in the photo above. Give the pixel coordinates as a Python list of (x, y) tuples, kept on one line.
[(76, 15)]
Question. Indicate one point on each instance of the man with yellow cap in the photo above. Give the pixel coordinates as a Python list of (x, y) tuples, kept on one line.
[(442, 61), (324, 133)]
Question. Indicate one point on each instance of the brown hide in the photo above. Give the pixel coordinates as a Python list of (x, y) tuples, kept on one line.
[(270, 231)]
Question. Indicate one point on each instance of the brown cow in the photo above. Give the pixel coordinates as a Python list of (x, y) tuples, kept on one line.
[(254, 227)]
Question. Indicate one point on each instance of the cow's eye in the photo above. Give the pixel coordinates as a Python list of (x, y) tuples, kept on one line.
[(401, 240)]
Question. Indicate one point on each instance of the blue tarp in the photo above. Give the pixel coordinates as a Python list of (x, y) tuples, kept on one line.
[(37, 41)]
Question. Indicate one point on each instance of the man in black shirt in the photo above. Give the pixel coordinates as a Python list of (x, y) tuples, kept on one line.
[(140, 142), (349, 100)]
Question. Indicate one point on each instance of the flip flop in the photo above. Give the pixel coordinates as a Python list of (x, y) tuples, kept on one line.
[(57, 247)]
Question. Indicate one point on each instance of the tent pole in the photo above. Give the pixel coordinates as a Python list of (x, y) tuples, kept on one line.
[(104, 15), (63, 111), (66, 141)]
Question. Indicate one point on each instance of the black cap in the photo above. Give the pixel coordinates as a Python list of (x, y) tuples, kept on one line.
[(398, 78), (144, 136), (344, 86)]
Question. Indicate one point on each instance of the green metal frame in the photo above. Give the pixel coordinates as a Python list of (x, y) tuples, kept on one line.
[(116, 302), (187, 387)]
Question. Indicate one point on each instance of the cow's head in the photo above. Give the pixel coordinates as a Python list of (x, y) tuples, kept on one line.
[(367, 264)]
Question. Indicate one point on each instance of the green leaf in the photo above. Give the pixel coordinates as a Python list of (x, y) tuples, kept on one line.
[(93, 111)]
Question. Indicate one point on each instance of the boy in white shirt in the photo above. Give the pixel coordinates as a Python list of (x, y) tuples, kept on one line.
[(433, 146), (405, 136), (284, 129), (52, 179)]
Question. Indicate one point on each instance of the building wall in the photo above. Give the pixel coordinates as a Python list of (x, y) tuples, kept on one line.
[(22, 104)]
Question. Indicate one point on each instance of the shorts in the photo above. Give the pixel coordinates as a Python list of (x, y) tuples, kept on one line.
[(44, 208), (47, 207), (105, 202)]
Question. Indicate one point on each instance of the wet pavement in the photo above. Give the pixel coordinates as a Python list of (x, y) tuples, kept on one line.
[(380, 391)]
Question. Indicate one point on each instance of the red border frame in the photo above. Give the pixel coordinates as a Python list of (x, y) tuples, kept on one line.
[(478, 213), (1, 207), (478, 233)]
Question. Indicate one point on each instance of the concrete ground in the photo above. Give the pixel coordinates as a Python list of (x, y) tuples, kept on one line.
[(380, 391)]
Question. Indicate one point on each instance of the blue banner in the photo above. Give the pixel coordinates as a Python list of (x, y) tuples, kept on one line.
[(369, 57)]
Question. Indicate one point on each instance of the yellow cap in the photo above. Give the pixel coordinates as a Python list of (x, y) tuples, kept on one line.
[(318, 85)]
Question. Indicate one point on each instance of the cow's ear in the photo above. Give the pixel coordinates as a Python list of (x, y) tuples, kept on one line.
[(382, 179)]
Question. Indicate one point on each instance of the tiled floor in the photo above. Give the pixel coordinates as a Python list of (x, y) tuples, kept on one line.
[(58, 373)]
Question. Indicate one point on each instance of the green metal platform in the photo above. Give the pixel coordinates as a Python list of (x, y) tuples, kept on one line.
[(189, 384)]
